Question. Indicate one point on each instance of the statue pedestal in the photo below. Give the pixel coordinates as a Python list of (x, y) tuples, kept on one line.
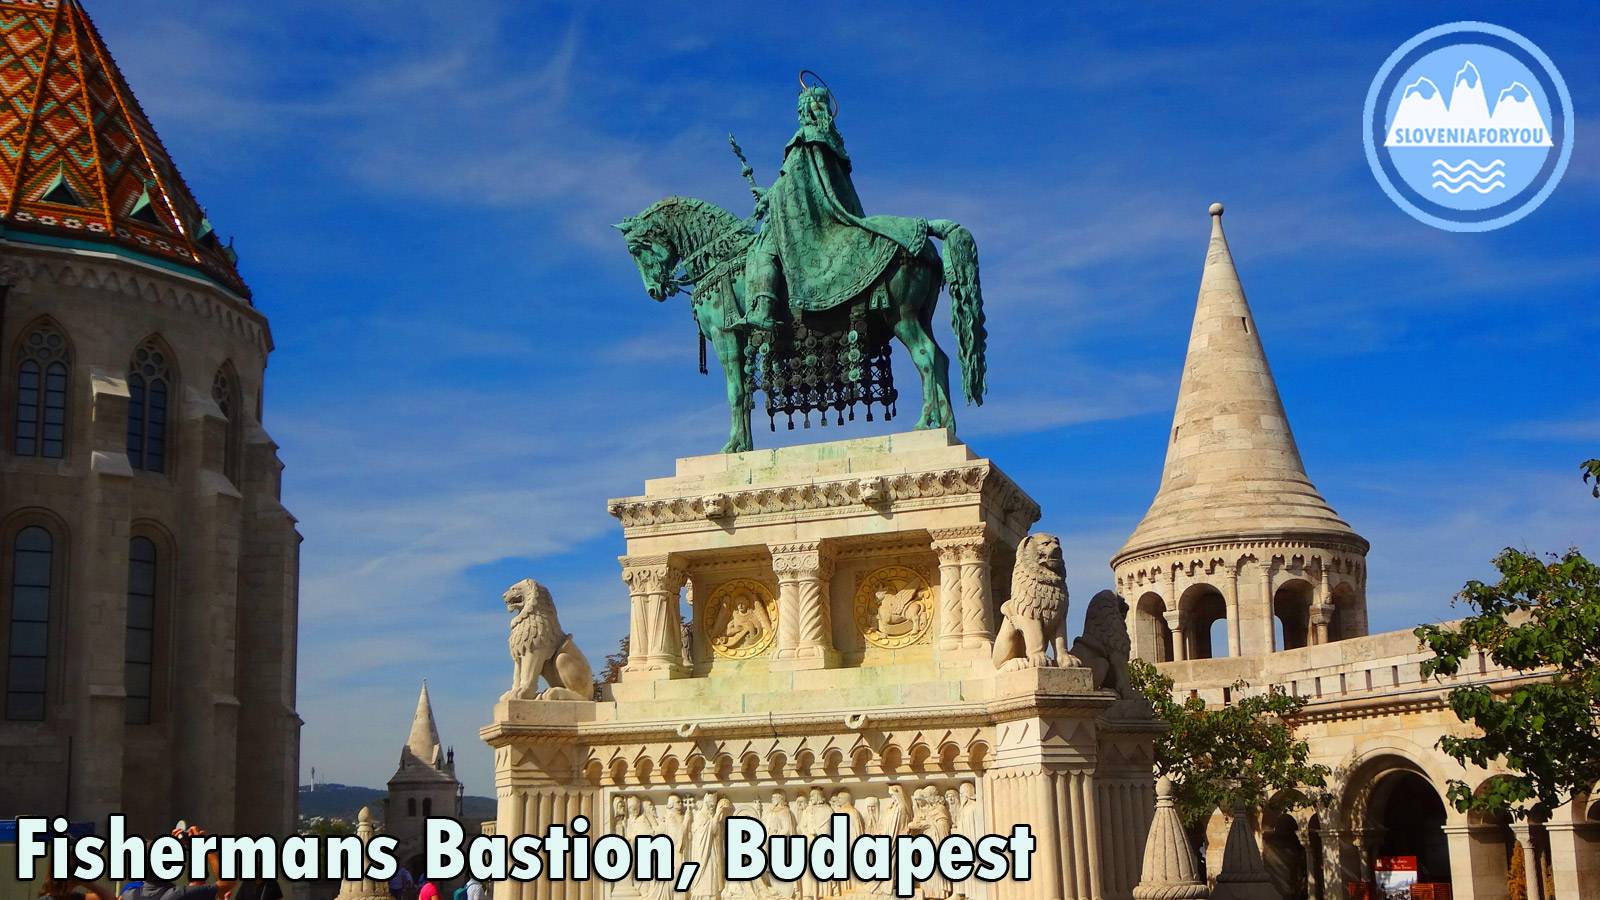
[(841, 605)]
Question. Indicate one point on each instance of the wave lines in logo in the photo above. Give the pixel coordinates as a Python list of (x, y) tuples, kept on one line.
[(1469, 174)]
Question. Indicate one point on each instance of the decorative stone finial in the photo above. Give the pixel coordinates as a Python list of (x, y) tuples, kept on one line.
[(1244, 875), (1216, 209), (1171, 869), (365, 818)]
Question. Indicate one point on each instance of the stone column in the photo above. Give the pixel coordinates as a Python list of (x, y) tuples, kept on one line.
[(1269, 641), (1321, 608), (1231, 598), (1333, 883), (805, 630), (1523, 832), (1574, 853), (655, 645), (950, 600), (1477, 862), (977, 619), (1180, 651)]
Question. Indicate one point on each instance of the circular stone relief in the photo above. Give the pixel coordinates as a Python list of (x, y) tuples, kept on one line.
[(741, 619), (894, 607)]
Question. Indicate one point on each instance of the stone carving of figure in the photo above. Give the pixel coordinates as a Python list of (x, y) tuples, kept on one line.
[(642, 821), (901, 612), (778, 818), (952, 802), (675, 824), (743, 622), (970, 817), (869, 814), (813, 818), (895, 814), (933, 820), (707, 845), (843, 803), (619, 815)]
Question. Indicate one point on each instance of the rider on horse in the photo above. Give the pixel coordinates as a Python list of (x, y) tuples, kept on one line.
[(816, 247)]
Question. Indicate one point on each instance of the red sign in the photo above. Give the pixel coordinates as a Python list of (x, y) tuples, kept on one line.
[(1395, 864)]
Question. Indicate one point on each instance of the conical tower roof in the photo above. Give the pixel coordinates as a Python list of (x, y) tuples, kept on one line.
[(1232, 467), (80, 165), (424, 740)]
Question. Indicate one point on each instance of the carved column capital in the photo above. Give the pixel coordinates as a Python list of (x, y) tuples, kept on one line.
[(651, 574), (802, 561)]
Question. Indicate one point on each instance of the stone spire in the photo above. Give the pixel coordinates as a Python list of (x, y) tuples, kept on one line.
[(424, 741), (1232, 465), (1171, 869)]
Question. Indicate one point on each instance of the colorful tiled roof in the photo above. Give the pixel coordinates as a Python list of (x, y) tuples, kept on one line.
[(80, 165)]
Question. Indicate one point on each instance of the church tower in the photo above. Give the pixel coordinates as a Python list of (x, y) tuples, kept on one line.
[(1237, 534), (424, 785), (148, 571)]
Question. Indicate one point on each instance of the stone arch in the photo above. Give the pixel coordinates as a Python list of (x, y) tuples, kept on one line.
[(1152, 637), (1346, 612), (1201, 607), (153, 581), (1284, 853), (1291, 608), (228, 393), (1393, 798)]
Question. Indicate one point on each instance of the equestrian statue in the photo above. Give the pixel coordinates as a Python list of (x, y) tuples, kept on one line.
[(804, 308)]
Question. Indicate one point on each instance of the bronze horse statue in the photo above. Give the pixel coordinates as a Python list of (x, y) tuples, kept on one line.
[(709, 245)]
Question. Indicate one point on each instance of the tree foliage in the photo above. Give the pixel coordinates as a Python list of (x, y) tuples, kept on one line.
[(1542, 616), (612, 673), (1244, 752)]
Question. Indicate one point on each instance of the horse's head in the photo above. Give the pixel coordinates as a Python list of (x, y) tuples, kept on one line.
[(654, 253)]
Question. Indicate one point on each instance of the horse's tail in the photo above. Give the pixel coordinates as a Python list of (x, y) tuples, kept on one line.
[(966, 304)]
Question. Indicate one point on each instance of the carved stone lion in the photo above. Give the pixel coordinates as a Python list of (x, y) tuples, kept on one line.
[(1104, 646), (540, 647), (1036, 615)]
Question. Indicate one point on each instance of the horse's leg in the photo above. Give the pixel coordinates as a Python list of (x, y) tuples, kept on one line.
[(941, 362), (906, 312), (912, 294), (729, 346)]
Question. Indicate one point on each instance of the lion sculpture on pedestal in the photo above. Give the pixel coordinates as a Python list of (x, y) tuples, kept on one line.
[(1104, 646), (540, 647), (1036, 615)]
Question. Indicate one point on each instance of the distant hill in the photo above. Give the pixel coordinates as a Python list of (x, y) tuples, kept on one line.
[(343, 801)]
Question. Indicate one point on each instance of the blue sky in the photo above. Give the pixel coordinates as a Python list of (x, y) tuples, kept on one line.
[(467, 366)]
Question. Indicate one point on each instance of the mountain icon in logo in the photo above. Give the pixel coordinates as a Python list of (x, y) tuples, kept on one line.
[(1424, 119)]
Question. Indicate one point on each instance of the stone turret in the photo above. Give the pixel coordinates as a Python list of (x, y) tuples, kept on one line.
[(1237, 532), (424, 785)]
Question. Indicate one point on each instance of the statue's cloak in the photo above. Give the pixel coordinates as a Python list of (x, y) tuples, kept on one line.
[(829, 250)]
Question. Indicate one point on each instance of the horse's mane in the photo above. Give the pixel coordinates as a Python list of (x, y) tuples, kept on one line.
[(724, 219)]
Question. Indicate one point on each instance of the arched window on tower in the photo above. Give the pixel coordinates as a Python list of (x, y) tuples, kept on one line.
[(150, 388), (225, 392), (427, 806), (28, 656), (411, 807), (138, 676), (42, 377)]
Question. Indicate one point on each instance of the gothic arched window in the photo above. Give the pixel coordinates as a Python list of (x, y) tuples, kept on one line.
[(138, 673), (225, 391), (28, 656), (42, 375), (411, 806), (427, 806), (150, 388)]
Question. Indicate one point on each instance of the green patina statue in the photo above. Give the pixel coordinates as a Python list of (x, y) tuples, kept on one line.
[(804, 309)]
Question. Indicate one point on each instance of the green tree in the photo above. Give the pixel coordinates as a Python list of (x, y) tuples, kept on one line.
[(1243, 752), (612, 673), (1542, 618)]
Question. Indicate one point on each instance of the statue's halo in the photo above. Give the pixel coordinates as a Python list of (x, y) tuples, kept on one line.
[(832, 99)]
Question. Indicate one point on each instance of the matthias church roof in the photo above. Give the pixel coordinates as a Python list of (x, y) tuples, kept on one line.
[(80, 164)]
